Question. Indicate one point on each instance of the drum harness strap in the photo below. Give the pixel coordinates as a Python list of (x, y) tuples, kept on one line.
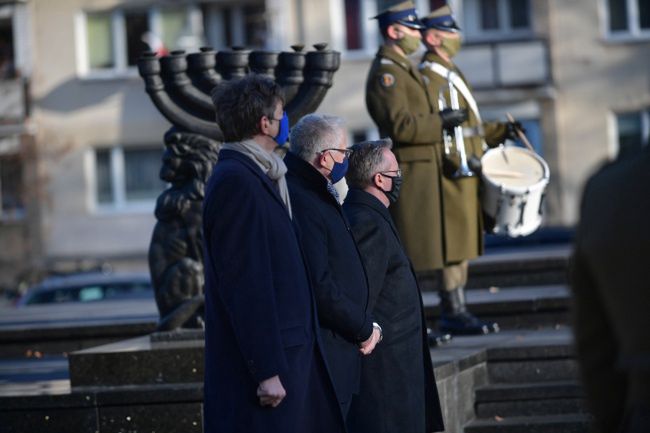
[(460, 85)]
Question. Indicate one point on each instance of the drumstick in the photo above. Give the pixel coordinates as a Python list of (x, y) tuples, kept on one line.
[(520, 133), (503, 173), (503, 153)]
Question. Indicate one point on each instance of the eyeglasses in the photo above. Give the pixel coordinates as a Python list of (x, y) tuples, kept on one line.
[(347, 152), (398, 173)]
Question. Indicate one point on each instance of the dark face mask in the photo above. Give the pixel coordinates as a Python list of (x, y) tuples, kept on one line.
[(393, 193), (338, 170)]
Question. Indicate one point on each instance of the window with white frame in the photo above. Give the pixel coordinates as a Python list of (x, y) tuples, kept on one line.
[(628, 17), (496, 19), (352, 29), (127, 177), (110, 42), (633, 132), (235, 25)]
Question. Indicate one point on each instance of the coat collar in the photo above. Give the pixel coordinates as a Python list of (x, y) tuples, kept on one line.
[(308, 176), (432, 57), (358, 196), (388, 53), (226, 154)]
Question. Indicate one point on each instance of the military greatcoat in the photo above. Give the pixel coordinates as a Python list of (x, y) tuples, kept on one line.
[(461, 213), (400, 104)]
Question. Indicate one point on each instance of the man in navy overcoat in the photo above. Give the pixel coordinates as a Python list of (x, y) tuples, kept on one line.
[(398, 389), (317, 160), (264, 370), (610, 282)]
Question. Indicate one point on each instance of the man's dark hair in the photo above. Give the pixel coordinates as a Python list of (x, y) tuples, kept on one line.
[(366, 160), (241, 103)]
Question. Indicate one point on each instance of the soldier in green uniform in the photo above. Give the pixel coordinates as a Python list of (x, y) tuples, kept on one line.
[(405, 110), (460, 237)]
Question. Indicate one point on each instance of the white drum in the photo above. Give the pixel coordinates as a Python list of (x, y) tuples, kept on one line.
[(514, 180)]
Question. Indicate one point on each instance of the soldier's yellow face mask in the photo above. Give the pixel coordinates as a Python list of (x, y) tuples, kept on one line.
[(451, 44), (409, 43)]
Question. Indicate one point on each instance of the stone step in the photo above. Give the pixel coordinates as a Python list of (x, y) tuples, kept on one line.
[(60, 328), (541, 266), (570, 423), (138, 361), (529, 399), (172, 408), (526, 307), (532, 364), (508, 267)]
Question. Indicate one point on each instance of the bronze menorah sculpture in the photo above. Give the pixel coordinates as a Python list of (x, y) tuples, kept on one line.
[(179, 86)]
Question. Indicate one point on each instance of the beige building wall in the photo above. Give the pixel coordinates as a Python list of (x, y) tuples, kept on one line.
[(75, 114), (595, 78), (592, 78)]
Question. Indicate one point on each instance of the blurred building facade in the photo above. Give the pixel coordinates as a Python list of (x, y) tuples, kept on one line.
[(80, 142)]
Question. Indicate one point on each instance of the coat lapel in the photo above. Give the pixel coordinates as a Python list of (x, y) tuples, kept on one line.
[(248, 163), (357, 196), (309, 177)]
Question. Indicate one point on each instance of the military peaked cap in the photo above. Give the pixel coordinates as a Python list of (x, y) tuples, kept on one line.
[(402, 13), (441, 18)]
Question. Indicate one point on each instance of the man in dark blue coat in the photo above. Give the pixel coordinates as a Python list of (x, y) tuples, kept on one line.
[(264, 371), (609, 278), (398, 389), (317, 159)]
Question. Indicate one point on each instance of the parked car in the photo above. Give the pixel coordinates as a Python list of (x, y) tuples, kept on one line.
[(89, 287)]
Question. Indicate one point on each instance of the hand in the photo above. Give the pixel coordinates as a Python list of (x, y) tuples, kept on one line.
[(271, 392), (513, 127), (368, 346), (452, 118)]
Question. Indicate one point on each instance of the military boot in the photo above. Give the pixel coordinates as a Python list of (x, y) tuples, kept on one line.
[(456, 320)]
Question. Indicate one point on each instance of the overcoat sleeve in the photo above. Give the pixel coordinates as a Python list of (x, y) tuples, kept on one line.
[(595, 342), (241, 258), (373, 247), (395, 111), (335, 310)]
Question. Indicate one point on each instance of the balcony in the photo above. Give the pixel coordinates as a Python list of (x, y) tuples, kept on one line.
[(506, 64)]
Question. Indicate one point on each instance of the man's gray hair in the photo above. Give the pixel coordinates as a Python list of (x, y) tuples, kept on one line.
[(367, 159), (314, 133)]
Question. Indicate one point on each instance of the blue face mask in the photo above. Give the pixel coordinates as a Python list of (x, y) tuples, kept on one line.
[(283, 132), (338, 170)]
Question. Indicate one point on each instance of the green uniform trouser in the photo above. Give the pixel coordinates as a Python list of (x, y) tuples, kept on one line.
[(451, 277)]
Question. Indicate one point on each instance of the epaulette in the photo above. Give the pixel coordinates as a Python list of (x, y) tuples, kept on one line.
[(387, 61)]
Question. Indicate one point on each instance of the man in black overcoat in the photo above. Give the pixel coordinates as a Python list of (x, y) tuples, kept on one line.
[(610, 280), (264, 369), (318, 159), (398, 389)]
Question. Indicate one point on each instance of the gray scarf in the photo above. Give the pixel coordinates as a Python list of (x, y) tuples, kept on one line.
[(270, 163)]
